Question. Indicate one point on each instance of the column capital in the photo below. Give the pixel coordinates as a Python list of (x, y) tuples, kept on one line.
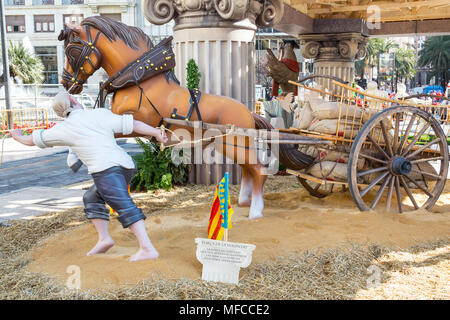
[(334, 47), (213, 13)]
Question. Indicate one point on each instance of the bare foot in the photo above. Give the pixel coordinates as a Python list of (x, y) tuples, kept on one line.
[(101, 246), (145, 254)]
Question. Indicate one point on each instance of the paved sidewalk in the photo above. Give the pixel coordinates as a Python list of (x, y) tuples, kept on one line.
[(36, 201), (41, 182), (14, 151)]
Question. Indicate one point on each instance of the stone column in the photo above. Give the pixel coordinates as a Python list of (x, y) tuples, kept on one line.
[(334, 55), (219, 35)]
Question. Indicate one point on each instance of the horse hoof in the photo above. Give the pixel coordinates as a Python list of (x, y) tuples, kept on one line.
[(254, 216)]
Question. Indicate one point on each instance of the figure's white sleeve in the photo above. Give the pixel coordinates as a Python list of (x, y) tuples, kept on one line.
[(121, 123), (47, 138)]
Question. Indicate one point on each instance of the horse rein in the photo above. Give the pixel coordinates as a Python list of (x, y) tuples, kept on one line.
[(84, 56)]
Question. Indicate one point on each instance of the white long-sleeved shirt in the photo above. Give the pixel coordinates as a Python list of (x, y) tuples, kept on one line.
[(90, 135)]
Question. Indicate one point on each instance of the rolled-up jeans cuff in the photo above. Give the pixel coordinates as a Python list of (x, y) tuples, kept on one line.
[(96, 211), (128, 217)]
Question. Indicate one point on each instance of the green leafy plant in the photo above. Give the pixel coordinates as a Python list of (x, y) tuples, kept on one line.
[(24, 65), (156, 169), (193, 75)]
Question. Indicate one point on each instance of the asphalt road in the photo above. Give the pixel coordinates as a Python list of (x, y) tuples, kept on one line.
[(46, 171)]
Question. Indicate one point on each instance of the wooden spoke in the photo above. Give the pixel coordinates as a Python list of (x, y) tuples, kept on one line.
[(364, 173), (372, 158), (380, 192), (423, 148), (396, 131), (415, 139), (389, 196), (399, 195), (426, 160), (387, 140), (378, 147), (408, 192), (374, 183), (427, 174), (419, 186), (409, 124), (405, 136)]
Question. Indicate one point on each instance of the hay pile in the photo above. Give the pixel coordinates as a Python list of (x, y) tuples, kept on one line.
[(339, 272)]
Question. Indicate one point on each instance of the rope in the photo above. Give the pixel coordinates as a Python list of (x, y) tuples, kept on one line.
[(190, 143)]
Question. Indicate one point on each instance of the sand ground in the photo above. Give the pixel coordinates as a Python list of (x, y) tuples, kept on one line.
[(293, 223)]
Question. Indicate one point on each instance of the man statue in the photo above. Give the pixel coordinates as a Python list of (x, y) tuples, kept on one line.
[(90, 134)]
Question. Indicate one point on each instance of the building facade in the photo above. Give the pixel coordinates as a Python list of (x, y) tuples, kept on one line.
[(37, 23)]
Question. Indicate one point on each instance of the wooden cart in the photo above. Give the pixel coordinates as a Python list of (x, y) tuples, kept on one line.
[(390, 148)]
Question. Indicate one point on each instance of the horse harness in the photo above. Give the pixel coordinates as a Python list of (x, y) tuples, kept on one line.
[(78, 56), (157, 60)]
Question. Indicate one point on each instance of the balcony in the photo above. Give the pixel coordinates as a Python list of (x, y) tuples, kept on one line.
[(43, 2), (66, 2), (14, 2)]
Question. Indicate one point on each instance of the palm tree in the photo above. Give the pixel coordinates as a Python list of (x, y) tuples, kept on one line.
[(405, 64), (436, 54), (375, 46), (24, 65)]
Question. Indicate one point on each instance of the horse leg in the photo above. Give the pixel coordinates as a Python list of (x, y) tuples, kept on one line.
[(258, 180), (246, 188)]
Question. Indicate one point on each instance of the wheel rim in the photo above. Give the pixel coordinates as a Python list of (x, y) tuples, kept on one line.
[(401, 159)]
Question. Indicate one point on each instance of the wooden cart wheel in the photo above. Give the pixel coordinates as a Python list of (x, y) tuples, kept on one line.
[(317, 190), (414, 142)]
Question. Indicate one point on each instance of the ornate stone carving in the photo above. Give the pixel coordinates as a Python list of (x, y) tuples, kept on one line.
[(334, 47), (348, 48), (310, 49), (362, 51), (264, 13), (160, 11)]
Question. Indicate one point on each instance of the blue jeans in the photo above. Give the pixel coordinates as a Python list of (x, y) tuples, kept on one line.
[(111, 187)]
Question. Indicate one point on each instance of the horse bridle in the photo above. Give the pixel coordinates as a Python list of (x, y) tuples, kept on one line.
[(77, 58)]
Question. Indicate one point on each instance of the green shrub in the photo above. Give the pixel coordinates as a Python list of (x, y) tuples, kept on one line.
[(156, 169), (193, 75)]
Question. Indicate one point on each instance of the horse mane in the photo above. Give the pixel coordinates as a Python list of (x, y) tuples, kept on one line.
[(114, 29)]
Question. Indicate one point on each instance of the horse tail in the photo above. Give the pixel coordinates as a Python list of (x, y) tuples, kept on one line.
[(289, 155)]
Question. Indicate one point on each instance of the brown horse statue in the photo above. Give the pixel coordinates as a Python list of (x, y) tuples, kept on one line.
[(100, 42)]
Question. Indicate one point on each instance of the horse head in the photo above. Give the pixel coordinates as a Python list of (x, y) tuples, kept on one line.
[(82, 56), (85, 43)]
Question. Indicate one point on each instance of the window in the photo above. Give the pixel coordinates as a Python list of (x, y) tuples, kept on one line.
[(15, 24), (72, 1), (73, 18), (15, 2), (43, 2), (114, 16), (44, 23), (49, 59)]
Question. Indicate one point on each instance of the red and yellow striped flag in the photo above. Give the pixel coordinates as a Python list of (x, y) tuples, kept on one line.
[(215, 229)]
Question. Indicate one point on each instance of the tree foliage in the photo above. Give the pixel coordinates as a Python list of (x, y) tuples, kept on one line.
[(435, 54), (24, 65)]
